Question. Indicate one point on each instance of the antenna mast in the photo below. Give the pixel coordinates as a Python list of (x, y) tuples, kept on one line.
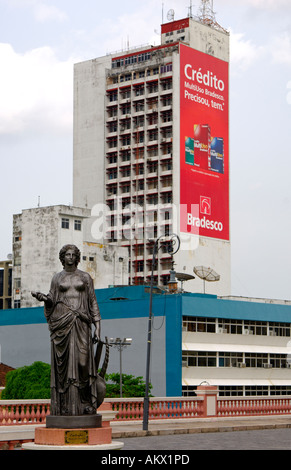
[(206, 15), (190, 10)]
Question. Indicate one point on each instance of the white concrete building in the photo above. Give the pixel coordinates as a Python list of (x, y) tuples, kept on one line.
[(38, 236), (129, 123)]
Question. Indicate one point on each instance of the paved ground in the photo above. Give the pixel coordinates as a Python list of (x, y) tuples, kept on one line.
[(257, 433), (235, 433), (191, 426), (263, 439)]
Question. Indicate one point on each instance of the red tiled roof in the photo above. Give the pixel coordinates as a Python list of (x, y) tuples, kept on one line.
[(3, 371)]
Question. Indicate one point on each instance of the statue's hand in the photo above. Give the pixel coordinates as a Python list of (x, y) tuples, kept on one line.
[(39, 296), (96, 335)]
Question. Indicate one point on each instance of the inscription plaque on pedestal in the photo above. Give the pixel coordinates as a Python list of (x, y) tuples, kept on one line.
[(76, 437)]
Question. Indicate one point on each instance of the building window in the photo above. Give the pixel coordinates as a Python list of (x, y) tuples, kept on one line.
[(238, 327), (230, 359), (199, 324), (65, 223), (16, 303), (234, 359), (199, 359), (17, 261), (166, 68), (78, 225), (139, 265), (112, 175)]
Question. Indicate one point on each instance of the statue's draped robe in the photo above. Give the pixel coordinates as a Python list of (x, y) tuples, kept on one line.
[(73, 371)]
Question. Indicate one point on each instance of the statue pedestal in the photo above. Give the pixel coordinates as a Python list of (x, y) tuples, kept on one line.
[(74, 422), (88, 432)]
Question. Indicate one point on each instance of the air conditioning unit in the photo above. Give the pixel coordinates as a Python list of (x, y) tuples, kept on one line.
[(273, 333), (268, 366), (221, 330), (246, 331), (242, 364), (184, 364)]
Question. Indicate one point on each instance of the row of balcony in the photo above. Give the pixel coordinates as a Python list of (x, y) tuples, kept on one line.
[(138, 76), (114, 144), (137, 171), (139, 156), (126, 127), (124, 97), (125, 190)]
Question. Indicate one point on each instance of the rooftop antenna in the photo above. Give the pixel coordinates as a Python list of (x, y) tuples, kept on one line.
[(206, 15), (206, 12), (184, 277), (171, 15), (190, 10), (207, 274)]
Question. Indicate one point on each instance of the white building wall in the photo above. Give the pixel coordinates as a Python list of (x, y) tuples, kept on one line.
[(209, 40), (89, 132), (236, 375), (38, 238)]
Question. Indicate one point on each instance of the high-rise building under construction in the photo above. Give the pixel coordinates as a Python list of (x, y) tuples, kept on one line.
[(151, 150)]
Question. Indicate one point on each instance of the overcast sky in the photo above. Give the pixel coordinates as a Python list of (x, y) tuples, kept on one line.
[(42, 39)]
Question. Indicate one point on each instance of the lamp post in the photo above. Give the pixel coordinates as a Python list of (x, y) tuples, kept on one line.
[(172, 249), (120, 344)]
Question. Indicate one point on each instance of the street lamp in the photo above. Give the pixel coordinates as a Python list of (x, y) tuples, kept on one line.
[(172, 284), (174, 240), (120, 344)]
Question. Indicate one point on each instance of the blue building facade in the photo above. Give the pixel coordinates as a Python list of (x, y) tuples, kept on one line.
[(237, 345)]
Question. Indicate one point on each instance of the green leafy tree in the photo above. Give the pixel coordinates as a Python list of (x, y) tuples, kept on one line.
[(28, 382), (33, 382), (131, 386)]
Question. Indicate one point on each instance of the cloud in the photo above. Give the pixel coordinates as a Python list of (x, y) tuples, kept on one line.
[(269, 4), (43, 12), (135, 28), (281, 49), (36, 91), (243, 52), (288, 97)]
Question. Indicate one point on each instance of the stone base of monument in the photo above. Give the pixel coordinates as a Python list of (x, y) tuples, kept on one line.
[(74, 422), (88, 432)]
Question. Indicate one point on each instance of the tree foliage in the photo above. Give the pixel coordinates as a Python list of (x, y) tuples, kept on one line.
[(33, 382), (131, 386), (28, 382)]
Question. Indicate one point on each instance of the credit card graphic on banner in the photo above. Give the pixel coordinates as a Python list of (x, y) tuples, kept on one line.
[(201, 146)]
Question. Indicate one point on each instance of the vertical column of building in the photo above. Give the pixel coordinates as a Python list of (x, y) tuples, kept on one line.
[(139, 163)]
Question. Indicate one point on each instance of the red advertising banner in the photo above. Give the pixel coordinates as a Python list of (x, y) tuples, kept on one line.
[(204, 144)]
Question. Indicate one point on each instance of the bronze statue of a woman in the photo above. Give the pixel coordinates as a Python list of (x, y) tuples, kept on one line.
[(70, 309)]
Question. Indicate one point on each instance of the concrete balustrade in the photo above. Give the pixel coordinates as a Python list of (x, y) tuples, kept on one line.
[(19, 418)]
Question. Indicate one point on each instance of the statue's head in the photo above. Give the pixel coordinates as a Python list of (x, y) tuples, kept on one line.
[(64, 250)]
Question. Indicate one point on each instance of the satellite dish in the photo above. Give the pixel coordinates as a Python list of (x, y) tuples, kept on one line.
[(207, 274), (171, 15), (184, 277)]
